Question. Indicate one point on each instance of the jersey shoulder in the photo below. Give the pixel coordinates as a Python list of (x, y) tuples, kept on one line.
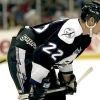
[(70, 30), (52, 25)]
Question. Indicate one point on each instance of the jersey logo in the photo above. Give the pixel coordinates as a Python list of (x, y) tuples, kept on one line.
[(46, 85), (28, 41), (77, 51), (69, 32)]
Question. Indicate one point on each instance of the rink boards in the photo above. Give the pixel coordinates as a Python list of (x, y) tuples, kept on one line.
[(93, 51)]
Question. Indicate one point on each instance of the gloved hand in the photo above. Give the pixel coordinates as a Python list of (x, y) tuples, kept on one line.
[(39, 92), (71, 85)]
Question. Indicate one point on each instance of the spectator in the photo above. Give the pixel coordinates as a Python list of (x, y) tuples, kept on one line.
[(19, 15), (11, 20), (31, 18)]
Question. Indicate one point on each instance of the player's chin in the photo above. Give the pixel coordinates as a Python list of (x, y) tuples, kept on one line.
[(97, 33)]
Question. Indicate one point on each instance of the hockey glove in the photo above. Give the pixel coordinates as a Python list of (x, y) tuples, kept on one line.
[(71, 86), (39, 92)]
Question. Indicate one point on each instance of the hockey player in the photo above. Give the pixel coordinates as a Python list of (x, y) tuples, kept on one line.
[(36, 50)]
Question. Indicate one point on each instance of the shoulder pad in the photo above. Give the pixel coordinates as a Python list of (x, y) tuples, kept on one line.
[(70, 30)]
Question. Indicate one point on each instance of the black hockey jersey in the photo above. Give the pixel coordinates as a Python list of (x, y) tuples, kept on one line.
[(65, 44), (61, 42)]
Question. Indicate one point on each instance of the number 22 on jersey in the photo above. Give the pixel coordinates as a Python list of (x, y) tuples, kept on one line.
[(48, 50)]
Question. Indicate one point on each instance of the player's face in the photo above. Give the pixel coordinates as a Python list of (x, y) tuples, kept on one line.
[(96, 29)]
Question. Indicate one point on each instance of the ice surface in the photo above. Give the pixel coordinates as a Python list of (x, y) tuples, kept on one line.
[(88, 89)]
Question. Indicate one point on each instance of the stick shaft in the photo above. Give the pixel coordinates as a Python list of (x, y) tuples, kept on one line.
[(85, 74)]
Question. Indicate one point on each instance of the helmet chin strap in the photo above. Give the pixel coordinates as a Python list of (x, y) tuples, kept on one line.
[(90, 27)]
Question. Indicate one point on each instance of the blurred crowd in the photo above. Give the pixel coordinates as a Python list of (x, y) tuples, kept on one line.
[(21, 14)]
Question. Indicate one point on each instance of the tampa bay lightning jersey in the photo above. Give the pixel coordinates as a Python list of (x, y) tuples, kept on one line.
[(65, 43), (55, 43)]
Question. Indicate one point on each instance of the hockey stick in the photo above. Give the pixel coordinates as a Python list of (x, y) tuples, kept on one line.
[(1, 61), (81, 78)]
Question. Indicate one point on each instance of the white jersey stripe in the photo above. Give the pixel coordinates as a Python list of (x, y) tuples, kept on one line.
[(21, 73)]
